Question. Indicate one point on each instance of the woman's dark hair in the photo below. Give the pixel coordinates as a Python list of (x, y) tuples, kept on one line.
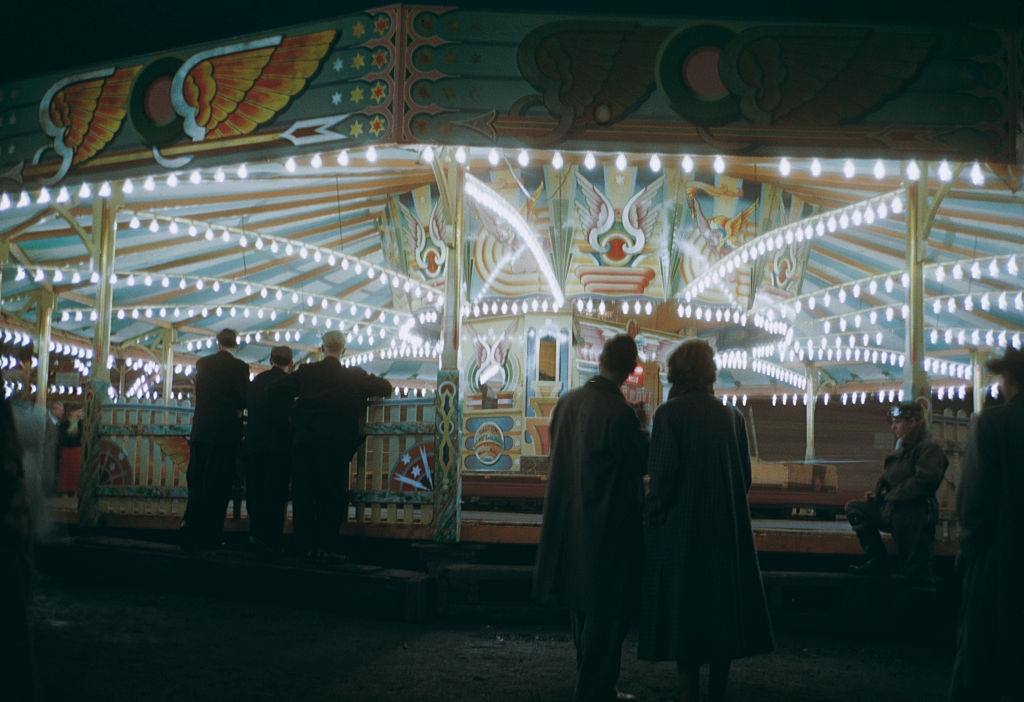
[(692, 366), (619, 355)]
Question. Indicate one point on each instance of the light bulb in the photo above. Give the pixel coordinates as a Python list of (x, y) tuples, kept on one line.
[(977, 177)]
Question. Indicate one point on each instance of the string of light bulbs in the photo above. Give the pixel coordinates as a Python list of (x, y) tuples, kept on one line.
[(818, 225)]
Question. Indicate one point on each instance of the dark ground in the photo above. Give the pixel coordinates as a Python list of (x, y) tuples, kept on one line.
[(119, 642)]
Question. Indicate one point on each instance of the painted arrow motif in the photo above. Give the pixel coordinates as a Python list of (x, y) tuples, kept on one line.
[(314, 131)]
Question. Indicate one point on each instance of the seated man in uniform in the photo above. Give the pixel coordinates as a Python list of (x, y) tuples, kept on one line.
[(903, 502)]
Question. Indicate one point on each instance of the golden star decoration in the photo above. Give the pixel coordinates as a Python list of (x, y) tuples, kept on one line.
[(358, 29), (356, 129), (356, 95), (358, 61), (378, 92), (376, 125)]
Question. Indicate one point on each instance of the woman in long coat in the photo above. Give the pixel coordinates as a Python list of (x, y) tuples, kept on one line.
[(703, 599)]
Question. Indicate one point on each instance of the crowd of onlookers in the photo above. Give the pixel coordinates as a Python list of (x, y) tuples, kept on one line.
[(676, 556), (651, 530)]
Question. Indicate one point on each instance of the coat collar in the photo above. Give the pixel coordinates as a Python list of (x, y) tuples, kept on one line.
[(599, 382)]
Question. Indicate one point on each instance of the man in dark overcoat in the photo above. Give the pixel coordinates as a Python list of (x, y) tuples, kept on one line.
[(990, 643), (329, 406), (903, 501), (268, 453), (220, 389), (591, 546)]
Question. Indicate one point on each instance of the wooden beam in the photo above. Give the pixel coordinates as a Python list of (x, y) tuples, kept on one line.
[(18, 229), (77, 228)]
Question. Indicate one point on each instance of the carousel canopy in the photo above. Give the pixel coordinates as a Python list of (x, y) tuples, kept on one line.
[(292, 183)]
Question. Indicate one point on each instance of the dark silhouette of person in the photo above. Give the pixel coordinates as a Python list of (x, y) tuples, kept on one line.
[(55, 417), (903, 501), (268, 454), (17, 666), (220, 391), (990, 641), (591, 545), (703, 598), (329, 407)]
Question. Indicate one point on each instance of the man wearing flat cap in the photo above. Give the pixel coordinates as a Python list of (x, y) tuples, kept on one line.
[(903, 501), (329, 402), (990, 642), (220, 388)]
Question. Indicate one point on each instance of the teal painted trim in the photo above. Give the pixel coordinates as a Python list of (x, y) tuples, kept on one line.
[(388, 428), (142, 491), (422, 497), (403, 401), (144, 430), (142, 406)]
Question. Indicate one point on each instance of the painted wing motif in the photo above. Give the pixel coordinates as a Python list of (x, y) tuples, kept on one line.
[(641, 215), (231, 90), (589, 73), (788, 75), (83, 113), (594, 211)]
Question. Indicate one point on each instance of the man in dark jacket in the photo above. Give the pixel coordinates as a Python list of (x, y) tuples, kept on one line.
[(220, 388), (330, 403), (990, 646), (268, 454), (903, 501), (591, 549)]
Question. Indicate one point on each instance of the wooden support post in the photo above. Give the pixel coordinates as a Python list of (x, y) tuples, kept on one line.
[(978, 379), (915, 381), (448, 421), (812, 401), (121, 373), (104, 233), (44, 329), (169, 338), (5, 254)]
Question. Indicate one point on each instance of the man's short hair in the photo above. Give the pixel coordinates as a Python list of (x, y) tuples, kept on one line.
[(334, 342), (227, 338), (619, 355), (281, 356)]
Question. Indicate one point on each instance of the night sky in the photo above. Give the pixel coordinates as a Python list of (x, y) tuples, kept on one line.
[(40, 36)]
